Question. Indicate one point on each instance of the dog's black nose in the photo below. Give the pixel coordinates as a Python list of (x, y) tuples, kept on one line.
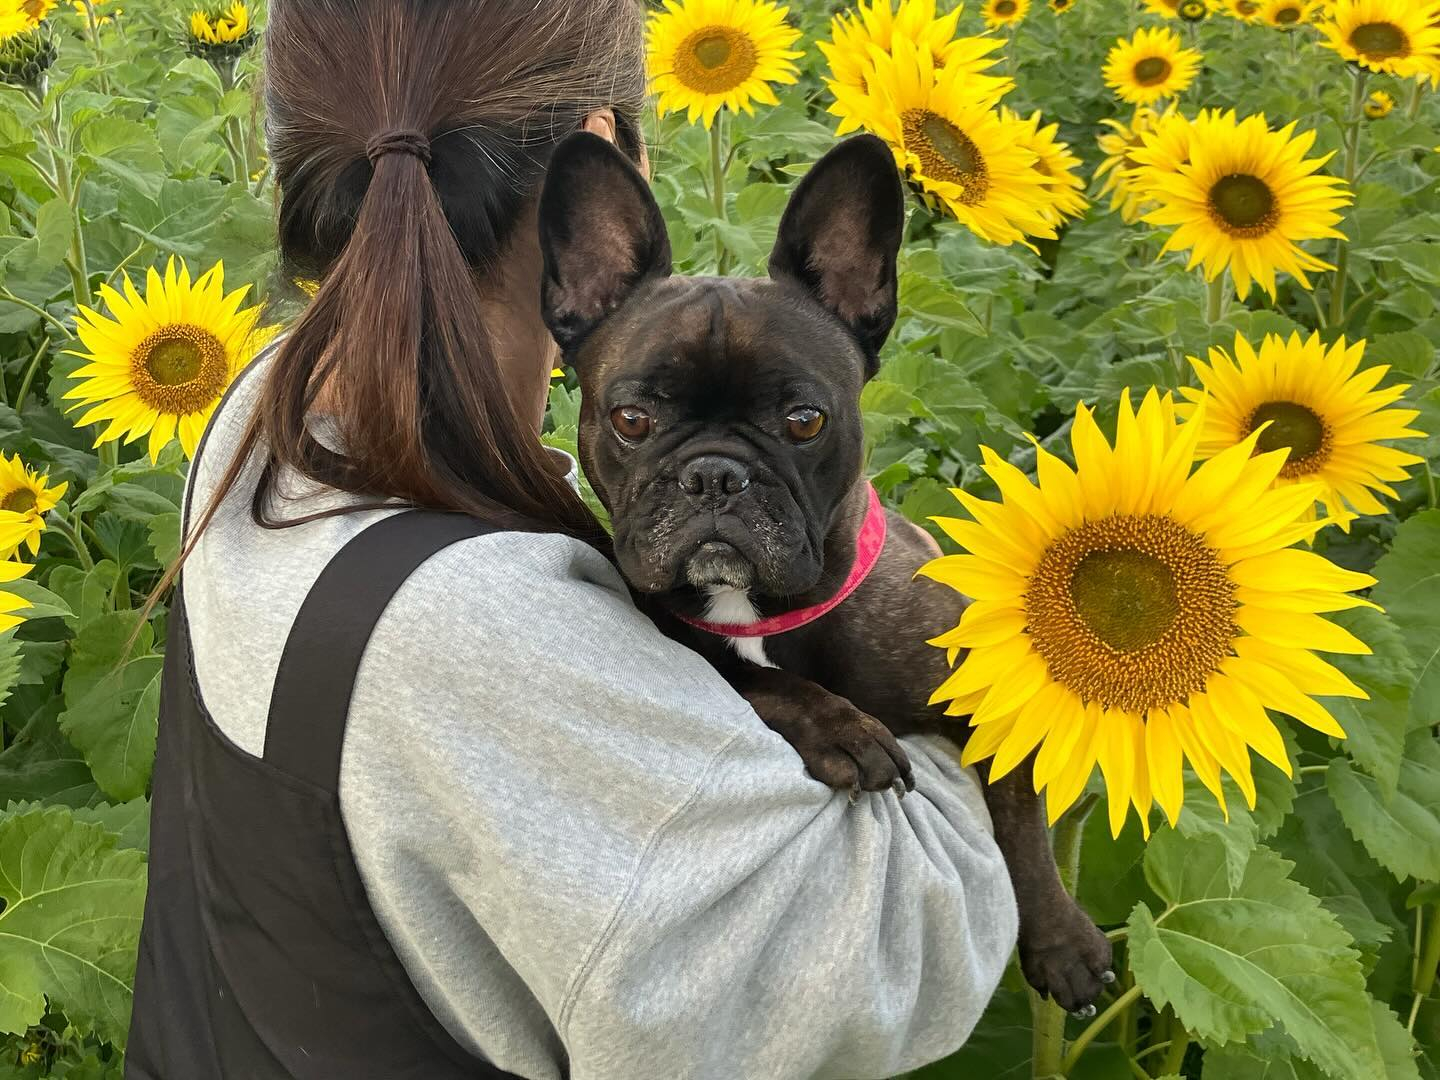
[(714, 476)]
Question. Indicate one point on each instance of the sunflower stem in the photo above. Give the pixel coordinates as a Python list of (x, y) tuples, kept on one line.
[(75, 261), (109, 455), (1352, 165), (92, 25), (717, 188), (29, 378), (1048, 1019), (1426, 962), (1118, 1006), (1215, 299), (1417, 95), (1179, 1044), (62, 525), (1047, 1022), (10, 297)]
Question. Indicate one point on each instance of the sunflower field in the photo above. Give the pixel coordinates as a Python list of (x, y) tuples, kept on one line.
[(1164, 384)]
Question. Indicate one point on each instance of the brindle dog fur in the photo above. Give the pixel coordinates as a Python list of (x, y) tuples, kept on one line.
[(693, 392)]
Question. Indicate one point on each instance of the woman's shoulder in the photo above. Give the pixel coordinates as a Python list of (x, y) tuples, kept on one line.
[(532, 606)]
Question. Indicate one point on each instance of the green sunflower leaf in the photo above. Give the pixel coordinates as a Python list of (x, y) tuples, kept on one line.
[(71, 922), (112, 699), (1402, 832), (128, 823), (10, 664), (1409, 591), (1376, 728), (1236, 961), (40, 764)]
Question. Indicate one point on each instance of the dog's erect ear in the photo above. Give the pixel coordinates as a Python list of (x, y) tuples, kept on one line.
[(601, 235), (840, 236)]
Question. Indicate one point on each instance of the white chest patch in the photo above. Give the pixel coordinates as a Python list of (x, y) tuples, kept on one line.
[(732, 607)]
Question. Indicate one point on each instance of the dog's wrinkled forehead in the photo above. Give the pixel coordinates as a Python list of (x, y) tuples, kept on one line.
[(713, 340)]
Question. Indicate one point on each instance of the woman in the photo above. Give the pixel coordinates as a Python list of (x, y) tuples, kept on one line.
[(433, 799)]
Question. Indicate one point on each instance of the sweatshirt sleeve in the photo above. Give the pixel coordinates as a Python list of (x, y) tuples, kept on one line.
[(585, 847)]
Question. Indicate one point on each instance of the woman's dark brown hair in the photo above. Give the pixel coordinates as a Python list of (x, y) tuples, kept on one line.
[(409, 139)]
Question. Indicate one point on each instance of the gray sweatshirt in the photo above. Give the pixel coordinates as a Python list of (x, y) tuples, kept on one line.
[(585, 848)]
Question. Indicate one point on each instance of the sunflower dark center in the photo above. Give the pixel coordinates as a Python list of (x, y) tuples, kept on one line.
[(1152, 70), (1006, 7), (1133, 611), (179, 369), (946, 153), (1380, 40), (20, 501), (1126, 597), (1296, 428), (1243, 205), (1247, 7), (715, 60), (1287, 16)]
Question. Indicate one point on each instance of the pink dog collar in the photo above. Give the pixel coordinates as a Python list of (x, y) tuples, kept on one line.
[(868, 546)]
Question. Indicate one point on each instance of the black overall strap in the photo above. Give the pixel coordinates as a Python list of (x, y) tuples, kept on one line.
[(316, 677)]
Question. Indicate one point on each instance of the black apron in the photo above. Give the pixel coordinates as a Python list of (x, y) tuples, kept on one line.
[(260, 956)]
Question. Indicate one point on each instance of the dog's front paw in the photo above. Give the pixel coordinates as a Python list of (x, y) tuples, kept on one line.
[(1068, 959), (845, 748), (855, 753)]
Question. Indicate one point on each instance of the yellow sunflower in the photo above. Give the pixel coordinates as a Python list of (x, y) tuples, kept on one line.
[(1398, 37), (1131, 614), (25, 499), (1055, 161), (1379, 105), (705, 55), (1244, 10), (1288, 14), (1001, 13), (1150, 66), (1061, 6), (1244, 200), (952, 144), (9, 602), (160, 364), (1320, 406), (224, 25), (1118, 145), (875, 26)]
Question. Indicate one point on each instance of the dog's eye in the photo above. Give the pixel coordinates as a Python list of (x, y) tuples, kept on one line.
[(804, 424), (634, 424)]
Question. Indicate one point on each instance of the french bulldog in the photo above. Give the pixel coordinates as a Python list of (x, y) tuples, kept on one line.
[(720, 426)]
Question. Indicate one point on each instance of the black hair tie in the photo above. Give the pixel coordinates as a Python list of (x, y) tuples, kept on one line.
[(402, 141)]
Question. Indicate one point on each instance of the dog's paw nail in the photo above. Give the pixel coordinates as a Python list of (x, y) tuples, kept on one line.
[(1084, 1013), (899, 788), (854, 794), (1107, 977)]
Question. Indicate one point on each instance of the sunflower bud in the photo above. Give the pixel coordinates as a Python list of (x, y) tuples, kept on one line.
[(1192, 10), (1378, 105), (26, 56), (221, 34)]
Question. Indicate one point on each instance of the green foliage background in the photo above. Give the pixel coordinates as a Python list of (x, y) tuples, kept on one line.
[(1293, 942)]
